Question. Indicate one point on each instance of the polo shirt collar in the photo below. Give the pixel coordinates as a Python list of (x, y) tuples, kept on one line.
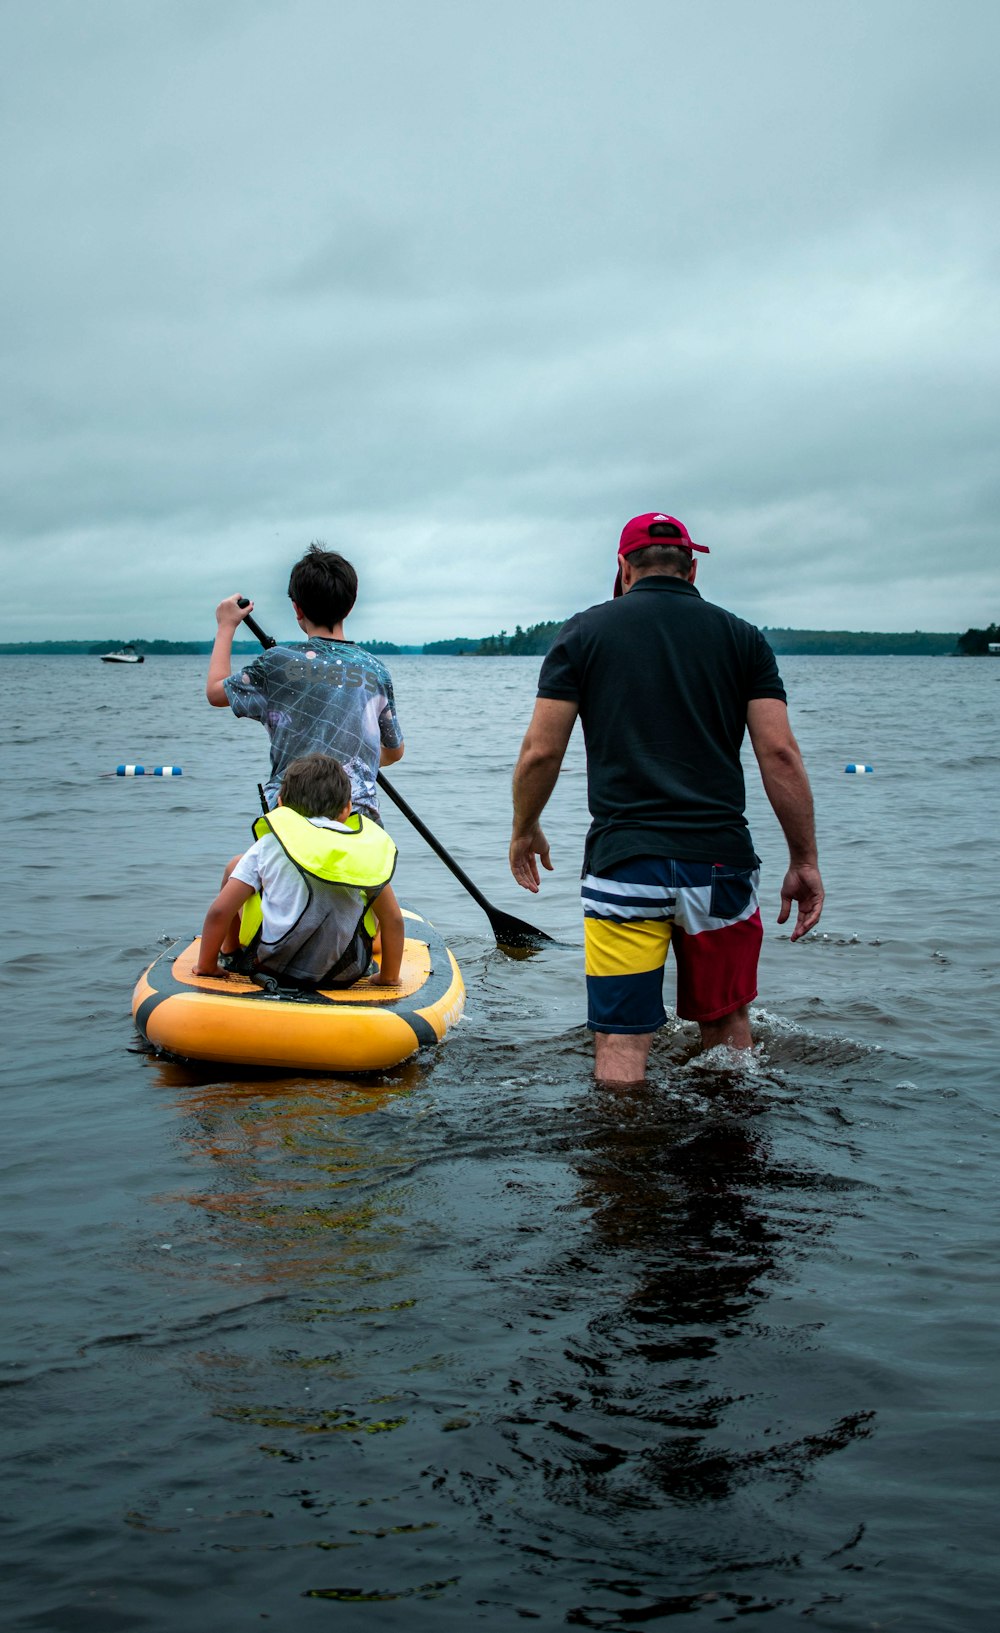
[(664, 581)]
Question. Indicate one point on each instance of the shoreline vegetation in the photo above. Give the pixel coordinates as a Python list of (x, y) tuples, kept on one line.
[(537, 638)]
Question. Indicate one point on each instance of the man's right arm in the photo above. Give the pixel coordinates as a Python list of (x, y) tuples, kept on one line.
[(787, 788), (535, 776)]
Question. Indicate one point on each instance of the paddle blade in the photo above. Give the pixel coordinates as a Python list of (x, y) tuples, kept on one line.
[(514, 935)]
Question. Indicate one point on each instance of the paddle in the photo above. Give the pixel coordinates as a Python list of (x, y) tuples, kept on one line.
[(508, 930), (266, 641)]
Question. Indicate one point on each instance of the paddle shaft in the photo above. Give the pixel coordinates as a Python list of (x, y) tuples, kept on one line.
[(434, 843), (266, 641)]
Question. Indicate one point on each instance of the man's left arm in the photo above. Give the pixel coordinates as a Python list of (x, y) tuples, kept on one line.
[(787, 788), (535, 776)]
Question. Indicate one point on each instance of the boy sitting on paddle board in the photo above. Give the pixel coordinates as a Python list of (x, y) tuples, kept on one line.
[(310, 899), (324, 695)]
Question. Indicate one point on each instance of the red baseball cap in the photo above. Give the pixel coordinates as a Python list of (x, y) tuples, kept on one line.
[(656, 527)]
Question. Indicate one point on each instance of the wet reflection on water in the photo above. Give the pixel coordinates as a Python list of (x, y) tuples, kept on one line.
[(677, 1203), (528, 1327), (291, 1191)]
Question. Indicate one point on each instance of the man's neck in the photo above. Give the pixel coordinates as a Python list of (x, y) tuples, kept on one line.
[(659, 572)]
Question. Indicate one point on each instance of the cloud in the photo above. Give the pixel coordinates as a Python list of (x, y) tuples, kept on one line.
[(460, 290)]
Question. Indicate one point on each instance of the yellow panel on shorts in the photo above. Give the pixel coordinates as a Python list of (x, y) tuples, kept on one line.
[(631, 948)]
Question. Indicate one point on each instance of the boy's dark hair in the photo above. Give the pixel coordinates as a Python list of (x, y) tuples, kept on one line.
[(316, 786), (324, 586)]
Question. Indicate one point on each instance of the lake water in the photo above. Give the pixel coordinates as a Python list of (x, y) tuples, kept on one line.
[(473, 1343)]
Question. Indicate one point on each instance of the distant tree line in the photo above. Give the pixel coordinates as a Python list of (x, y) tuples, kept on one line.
[(524, 643), (831, 643), (95, 649), (976, 643), (153, 649), (459, 646), (536, 640)]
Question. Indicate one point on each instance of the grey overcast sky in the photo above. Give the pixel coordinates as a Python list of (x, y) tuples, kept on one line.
[(458, 288)]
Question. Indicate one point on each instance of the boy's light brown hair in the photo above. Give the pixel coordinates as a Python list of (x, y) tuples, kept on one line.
[(316, 786)]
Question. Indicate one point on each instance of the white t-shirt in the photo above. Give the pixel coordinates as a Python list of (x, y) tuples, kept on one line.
[(283, 891)]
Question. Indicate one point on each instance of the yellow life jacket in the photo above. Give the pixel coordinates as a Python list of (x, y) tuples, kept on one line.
[(344, 872)]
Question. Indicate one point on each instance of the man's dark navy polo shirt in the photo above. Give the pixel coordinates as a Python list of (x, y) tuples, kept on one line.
[(662, 680)]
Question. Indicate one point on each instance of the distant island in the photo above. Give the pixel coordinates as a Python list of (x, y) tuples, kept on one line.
[(979, 643), (532, 642), (537, 638), (155, 649), (832, 643)]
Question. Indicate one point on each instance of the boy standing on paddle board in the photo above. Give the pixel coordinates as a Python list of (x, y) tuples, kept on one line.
[(310, 901), (322, 695)]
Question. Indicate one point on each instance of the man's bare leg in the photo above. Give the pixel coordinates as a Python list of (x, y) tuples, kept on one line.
[(620, 1057), (732, 1030)]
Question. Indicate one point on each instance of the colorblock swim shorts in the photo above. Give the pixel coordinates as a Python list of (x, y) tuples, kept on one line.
[(633, 913)]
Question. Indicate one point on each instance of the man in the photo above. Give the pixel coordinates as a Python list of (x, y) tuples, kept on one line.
[(665, 685)]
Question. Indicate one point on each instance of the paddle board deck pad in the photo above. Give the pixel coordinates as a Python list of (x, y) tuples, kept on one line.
[(361, 1028)]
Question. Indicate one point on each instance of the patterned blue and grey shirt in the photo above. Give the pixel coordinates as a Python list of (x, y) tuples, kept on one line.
[(321, 697)]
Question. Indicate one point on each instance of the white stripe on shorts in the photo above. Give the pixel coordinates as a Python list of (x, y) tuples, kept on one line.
[(630, 901), (687, 905)]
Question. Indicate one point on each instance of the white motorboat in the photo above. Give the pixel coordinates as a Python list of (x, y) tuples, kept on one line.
[(125, 654)]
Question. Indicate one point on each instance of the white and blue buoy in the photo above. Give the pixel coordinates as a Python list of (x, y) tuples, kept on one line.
[(862, 770), (155, 771)]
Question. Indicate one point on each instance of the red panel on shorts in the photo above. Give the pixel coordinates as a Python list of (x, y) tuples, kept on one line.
[(717, 970)]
